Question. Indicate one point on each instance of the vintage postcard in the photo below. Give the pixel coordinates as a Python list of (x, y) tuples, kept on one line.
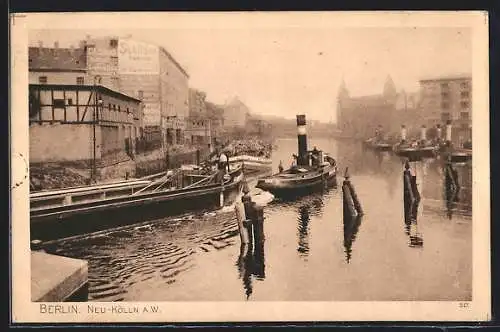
[(235, 167)]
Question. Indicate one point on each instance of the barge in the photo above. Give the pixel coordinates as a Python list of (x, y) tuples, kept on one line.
[(59, 214)]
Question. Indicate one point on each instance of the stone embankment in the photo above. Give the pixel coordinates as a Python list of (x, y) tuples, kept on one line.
[(49, 176)]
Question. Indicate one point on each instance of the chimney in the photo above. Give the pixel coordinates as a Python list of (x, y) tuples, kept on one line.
[(302, 140), (56, 44), (403, 133), (40, 44), (438, 131), (448, 131), (423, 133)]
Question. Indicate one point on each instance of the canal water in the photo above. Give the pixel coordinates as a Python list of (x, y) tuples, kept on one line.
[(310, 253)]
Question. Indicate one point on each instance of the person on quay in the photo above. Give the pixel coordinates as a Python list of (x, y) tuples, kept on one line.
[(223, 161), (280, 167)]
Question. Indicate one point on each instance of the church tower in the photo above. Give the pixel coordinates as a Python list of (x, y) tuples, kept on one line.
[(342, 97), (390, 93)]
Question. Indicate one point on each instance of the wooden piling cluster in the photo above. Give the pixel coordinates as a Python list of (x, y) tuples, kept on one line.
[(250, 220), (351, 203)]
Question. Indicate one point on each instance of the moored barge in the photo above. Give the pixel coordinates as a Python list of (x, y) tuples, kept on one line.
[(59, 218)]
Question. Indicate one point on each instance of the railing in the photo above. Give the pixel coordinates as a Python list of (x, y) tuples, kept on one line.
[(70, 196)]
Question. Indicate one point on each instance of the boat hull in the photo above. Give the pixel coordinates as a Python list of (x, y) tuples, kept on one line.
[(298, 186), (65, 221), (382, 147)]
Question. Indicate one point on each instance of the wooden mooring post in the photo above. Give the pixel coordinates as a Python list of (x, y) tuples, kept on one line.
[(410, 190), (351, 200)]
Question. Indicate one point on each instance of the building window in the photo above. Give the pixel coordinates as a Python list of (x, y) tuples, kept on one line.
[(118, 108), (113, 43), (445, 94), (114, 107), (464, 115), (70, 101), (465, 94), (444, 86), (445, 116), (109, 106), (464, 85), (140, 94), (80, 80), (445, 105), (59, 103), (42, 79), (114, 60), (464, 104)]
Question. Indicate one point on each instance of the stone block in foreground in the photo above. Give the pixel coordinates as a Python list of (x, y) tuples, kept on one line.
[(58, 279)]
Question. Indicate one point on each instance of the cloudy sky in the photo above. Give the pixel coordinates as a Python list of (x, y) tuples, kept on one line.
[(297, 69)]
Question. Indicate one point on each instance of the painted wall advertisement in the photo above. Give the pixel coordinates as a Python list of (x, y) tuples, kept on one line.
[(151, 114), (136, 57)]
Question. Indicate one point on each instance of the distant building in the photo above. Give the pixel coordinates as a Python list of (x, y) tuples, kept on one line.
[(63, 117), (236, 113), (361, 116), (216, 115), (198, 131), (449, 98)]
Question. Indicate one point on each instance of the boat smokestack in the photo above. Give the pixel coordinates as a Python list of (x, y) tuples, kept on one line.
[(448, 131), (403, 133), (302, 140), (423, 133)]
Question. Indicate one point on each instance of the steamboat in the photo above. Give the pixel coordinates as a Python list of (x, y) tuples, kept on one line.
[(312, 170)]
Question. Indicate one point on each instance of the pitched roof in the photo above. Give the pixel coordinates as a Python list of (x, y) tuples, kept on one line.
[(42, 58), (368, 101), (460, 76)]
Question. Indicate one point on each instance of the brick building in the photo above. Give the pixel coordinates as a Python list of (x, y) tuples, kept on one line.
[(81, 123), (148, 72), (449, 98)]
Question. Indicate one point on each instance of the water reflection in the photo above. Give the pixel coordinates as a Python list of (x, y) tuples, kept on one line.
[(451, 188), (303, 230), (313, 206), (251, 262), (351, 227), (411, 224)]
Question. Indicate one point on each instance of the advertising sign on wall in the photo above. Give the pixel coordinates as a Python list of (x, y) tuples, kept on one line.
[(151, 114), (136, 57)]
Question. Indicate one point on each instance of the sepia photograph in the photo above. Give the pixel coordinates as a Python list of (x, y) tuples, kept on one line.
[(250, 166)]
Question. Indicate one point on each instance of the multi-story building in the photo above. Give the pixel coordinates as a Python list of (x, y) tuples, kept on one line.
[(138, 69), (149, 72), (198, 131), (55, 65), (449, 98), (95, 121)]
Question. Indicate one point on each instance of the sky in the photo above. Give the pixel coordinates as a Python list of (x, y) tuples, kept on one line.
[(284, 71)]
